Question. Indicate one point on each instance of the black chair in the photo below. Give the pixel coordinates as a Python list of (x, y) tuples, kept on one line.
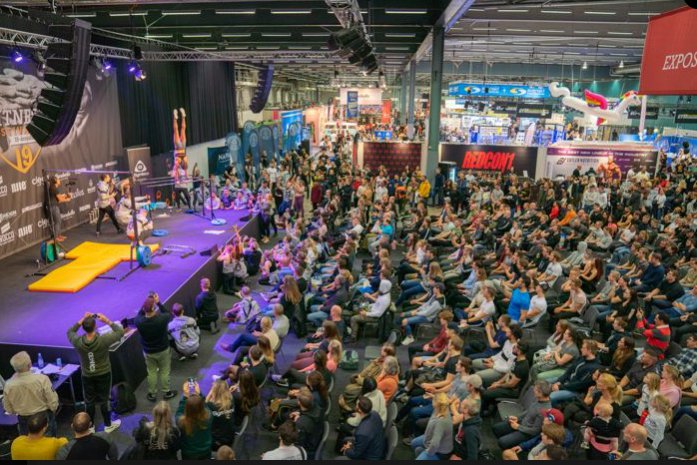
[(323, 441), (681, 441)]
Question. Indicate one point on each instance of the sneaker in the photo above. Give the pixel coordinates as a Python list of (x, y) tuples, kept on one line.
[(407, 340), (407, 441), (182, 358), (194, 356), (170, 394), (152, 397), (92, 430), (282, 383), (113, 427), (216, 377)]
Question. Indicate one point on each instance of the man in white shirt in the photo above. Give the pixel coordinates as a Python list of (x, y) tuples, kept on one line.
[(286, 450), (376, 309), (494, 368)]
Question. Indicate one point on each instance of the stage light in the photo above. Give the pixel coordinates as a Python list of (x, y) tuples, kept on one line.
[(140, 74), (621, 64), (132, 67), (106, 64), (17, 56), (585, 65)]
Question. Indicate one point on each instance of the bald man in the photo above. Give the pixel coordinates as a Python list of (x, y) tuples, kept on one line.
[(635, 436), (87, 444)]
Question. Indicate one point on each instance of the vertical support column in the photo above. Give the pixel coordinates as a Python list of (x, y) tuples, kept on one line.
[(642, 118), (435, 102), (403, 100), (412, 98)]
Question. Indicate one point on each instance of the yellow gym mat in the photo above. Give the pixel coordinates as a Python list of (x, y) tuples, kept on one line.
[(89, 260)]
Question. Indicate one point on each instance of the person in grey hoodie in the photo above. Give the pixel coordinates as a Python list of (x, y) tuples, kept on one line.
[(437, 442), (93, 349), (515, 430)]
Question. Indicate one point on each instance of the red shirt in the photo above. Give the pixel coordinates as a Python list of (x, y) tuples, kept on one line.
[(439, 342)]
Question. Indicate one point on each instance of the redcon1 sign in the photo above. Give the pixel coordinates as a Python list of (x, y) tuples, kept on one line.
[(501, 158)]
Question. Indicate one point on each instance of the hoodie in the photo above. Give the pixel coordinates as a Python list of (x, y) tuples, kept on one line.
[(576, 258), (207, 305), (94, 354), (310, 428), (469, 438)]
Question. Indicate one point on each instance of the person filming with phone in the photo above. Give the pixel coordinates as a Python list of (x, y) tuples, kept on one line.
[(93, 349), (195, 421)]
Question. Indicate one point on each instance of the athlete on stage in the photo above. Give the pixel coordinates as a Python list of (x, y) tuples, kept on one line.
[(180, 139), (106, 200)]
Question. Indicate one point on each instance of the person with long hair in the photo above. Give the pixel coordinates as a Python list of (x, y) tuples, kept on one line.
[(671, 385), (219, 402), (194, 420), (290, 298), (304, 359), (245, 395), (159, 438), (437, 442), (623, 357)]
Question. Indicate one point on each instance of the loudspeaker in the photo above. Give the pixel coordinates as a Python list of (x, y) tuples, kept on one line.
[(344, 38), (66, 71), (261, 93)]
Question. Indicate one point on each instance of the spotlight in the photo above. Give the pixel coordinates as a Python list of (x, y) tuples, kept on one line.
[(17, 56), (140, 75), (585, 65), (621, 64), (132, 67), (106, 65)]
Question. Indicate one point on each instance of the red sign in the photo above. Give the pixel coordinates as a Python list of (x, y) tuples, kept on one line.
[(489, 161), (386, 111), (669, 65)]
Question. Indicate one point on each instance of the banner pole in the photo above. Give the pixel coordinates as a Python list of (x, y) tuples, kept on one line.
[(642, 118)]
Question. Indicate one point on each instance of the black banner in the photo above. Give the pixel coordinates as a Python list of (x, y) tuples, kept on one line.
[(502, 158), (394, 156), (510, 108), (94, 143), (531, 110), (139, 162), (635, 113), (686, 116)]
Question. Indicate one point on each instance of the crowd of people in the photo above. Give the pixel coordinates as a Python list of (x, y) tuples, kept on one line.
[(517, 319)]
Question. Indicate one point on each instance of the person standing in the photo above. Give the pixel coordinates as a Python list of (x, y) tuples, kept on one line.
[(152, 323), (105, 199), (52, 203), (93, 349), (28, 394)]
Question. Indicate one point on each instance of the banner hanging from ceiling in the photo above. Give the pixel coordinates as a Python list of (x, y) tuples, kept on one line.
[(463, 89), (366, 95), (669, 64), (501, 158)]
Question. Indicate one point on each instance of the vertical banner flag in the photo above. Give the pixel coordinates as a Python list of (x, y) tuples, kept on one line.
[(386, 111), (669, 64), (352, 104), (234, 145)]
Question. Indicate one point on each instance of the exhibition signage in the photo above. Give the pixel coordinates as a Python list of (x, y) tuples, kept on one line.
[(352, 104), (139, 162), (386, 111), (501, 158), (526, 110), (510, 108), (635, 113), (669, 64), (462, 89), (685, 116), (562, 161), (394, 156), (366, 96)]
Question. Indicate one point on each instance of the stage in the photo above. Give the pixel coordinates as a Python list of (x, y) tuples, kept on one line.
[(38, 321)]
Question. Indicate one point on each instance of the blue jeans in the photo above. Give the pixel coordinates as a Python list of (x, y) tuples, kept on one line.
[(410, 292), (558, 397), (414, 320), (243, 339), (317, 317), (417, 444)]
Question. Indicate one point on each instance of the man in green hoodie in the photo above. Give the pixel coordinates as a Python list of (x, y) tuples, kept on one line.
[(93, 349)]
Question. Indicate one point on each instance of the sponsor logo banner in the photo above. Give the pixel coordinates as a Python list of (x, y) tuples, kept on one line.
[(562, 161), (635, 113), (526, 110), (352, 104), (501, 158), (686, 116), (366, 96), (139, 162), (463, 89), (669, 64)]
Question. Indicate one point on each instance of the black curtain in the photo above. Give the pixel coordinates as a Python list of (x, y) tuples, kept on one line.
[(206, 90)]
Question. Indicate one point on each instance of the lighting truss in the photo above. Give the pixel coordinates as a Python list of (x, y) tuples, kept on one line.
[(348, 13)]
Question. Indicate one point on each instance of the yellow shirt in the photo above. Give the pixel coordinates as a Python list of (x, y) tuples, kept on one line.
[(425, 189), (26, 448)]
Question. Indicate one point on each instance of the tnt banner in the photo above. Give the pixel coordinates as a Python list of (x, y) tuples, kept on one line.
[(669, 64), (562, 161), (234, 146), (500, 158), (94, 143), (395, 156)]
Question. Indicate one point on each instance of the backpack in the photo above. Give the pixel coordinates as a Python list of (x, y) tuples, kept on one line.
[(123, 399), (186, 339), (248, 312), (349, 360)]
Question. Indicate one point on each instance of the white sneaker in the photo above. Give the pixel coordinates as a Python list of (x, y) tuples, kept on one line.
[(183, 113), (113, 427), (407, 340)]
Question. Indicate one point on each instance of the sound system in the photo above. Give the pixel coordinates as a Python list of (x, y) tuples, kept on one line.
[(263, 89), (67, 62), (351, 44)]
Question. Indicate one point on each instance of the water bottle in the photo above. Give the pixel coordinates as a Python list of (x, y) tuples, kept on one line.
[(40, 361), (59, 362)]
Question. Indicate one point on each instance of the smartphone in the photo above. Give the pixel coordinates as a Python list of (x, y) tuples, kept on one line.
[(192, 385)]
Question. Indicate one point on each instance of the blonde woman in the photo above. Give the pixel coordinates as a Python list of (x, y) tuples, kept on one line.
[(220, 404), (660, 414), (437, 442), (160, 437)]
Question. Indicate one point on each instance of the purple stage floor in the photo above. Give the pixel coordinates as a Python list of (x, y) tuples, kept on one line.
[(42, 319)]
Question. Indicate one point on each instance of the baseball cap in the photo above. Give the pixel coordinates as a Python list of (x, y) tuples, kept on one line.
[(554, 415), (475, 381)]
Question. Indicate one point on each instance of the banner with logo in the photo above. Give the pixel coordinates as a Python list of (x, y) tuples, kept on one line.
[(352, 104), (669, 64), (463, 89), (94, 143), (234, 146), (562, 161), (685, 116), (139, 162), (218, 159), (395, 156), (510, 108), (527, 110), (266, 141), (386, 111), (635, 113), (366, 95), (502, 158)]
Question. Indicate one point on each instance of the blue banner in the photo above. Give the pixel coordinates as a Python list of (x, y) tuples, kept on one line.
[(234, 146), (383, 135), (463, 89), (266, 141), (351, 104)]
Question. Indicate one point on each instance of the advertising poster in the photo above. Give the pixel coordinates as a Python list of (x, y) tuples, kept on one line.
[(386, 111), (561, 161), (635, 113), (463, 89), (395, 156), (499, 158), (352, 104), (685, 116), (527, 110), (366, 95)]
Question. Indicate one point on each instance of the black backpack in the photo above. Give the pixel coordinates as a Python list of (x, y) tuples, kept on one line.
[(123, 399)]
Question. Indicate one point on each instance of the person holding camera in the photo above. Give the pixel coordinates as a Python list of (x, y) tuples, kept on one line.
[(93, 349), (152, 323)]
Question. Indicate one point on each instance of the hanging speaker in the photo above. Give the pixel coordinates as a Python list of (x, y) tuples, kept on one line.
[(263, 89), (66, 72)]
